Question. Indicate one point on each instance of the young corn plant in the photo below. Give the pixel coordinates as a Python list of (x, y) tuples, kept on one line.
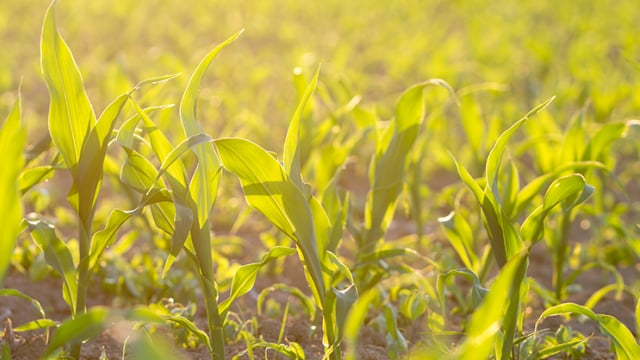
[(278, 191), (497, 202), (386, 178), (82, 141), (186, 216)]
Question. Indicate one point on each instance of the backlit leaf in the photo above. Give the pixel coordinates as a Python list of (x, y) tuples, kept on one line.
[(268, 189), (71, 116), (12, 140)]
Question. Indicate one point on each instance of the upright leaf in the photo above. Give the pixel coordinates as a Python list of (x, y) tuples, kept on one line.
[(494, 158), (291, 157), (12, 139), (204, 185), (70, 113), (487, 320)]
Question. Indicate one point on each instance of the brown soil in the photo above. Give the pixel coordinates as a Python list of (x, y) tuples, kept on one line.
[(298, 329)]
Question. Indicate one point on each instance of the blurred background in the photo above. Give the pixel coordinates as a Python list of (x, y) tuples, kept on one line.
[(518, 53)]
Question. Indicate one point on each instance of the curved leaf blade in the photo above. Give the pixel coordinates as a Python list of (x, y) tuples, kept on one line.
[(268, 189), (624, 343), (82, 327)]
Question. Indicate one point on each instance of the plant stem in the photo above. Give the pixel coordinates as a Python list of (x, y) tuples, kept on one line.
[(84, 245), (215, 322), (560, 255)]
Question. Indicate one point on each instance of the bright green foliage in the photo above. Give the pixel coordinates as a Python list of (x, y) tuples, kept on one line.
[(71, 116), (80, 328), (625, 345), (268, 189), (149, 185), (245, 276), (12, 139), (59, 257), (386, 173), (483, 330)]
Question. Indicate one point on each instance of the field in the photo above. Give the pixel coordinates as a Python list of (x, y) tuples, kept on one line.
[(319, 180)]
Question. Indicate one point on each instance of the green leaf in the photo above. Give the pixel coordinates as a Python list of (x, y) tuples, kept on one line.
[(478, 292), (494, 158), (180, 149), (28, 178), (17, 293), (535, 186), (486, 321), (161, 315), (71, 116), (91, 162), (107, 236), (36, 325), (204, 185), (245, 277), (176, 175), (549, 351), (80, 328), (12, 141), (597, 146), (638, 318), (469, 181), (291, 156), (58, 256), (138, 172), (625, 345), (569, 191), (182, 226), (345, 298), (460, 237), (356, 318), (268, 189), (387, 169)]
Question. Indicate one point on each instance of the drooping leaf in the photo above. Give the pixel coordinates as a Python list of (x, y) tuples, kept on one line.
[(567, 191), (138, 172), (19, 294), (106, 236), (624, 343), (30, 177), (180, 149), (245, 277), (268, 189), (58, 256), (80, 328)]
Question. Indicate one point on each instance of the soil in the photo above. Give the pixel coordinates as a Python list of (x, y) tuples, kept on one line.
[(372, 344)]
